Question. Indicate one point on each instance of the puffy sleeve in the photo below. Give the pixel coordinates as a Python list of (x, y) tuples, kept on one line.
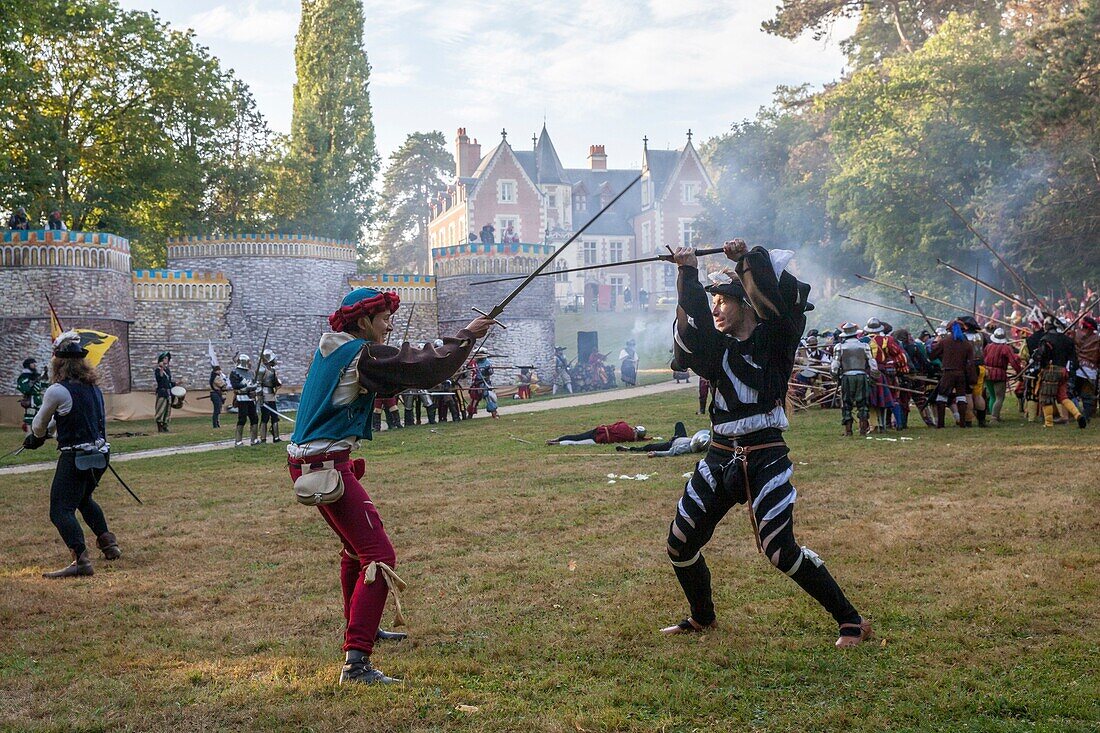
[(388, 370)]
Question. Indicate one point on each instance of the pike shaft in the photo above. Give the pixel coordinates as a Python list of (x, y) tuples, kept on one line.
[(623, 263)]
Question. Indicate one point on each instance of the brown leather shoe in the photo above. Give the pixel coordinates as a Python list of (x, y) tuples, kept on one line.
[(80, 565), (688, 626), (108, 543), (845, 641)]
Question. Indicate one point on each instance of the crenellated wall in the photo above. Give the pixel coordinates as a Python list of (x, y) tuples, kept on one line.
[(529, 338), (286, 283), (418, 302), (86, 275), (184, 312)]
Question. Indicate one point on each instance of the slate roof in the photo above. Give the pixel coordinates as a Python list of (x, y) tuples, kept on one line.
[(619, 218)]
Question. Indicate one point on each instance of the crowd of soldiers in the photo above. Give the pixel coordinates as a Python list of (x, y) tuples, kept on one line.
[(880, 375)]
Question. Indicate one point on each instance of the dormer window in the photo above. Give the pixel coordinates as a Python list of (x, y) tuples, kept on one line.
[(645, 193), (506, 192), (689, 192)]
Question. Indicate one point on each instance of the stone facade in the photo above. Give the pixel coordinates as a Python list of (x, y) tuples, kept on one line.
[(227, 292), (286, 283), (86, 275), (529, 338)]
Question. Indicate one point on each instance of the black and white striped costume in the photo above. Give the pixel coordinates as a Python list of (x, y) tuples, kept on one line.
[(750, 383)]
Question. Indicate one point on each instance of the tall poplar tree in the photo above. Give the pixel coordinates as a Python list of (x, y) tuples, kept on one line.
[(333, 160)]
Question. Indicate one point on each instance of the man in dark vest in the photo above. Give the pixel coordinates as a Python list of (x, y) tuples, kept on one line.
[(73, 405)]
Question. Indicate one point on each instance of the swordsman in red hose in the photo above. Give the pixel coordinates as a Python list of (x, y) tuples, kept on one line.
[(351, 367)]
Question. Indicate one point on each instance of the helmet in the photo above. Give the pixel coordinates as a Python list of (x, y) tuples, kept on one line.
[(244, 360), (874, 325), (437, 343), (268, 357), (639, 430), (700, 441)]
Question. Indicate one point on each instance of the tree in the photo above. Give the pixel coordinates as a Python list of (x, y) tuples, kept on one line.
[(417, 170), (332, 161), (885, 27), (942, 121), (118, 124)]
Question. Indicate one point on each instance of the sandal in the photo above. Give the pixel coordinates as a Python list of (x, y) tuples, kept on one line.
[(845, 641), (688, 626)]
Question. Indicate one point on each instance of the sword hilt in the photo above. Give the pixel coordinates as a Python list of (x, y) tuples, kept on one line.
[(490, 317)]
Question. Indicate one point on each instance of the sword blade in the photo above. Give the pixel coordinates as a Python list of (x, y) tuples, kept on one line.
[(623, 263), (131, 491), (275, 412)]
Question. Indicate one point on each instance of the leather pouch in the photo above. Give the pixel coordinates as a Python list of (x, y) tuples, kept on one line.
[(85, 460), (320, 483)]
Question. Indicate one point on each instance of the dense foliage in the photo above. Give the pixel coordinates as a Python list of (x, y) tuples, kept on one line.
[(417, 169), (991, 106), (127, 125)]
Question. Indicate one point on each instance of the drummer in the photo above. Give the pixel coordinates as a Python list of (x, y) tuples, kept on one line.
[(163, 374)]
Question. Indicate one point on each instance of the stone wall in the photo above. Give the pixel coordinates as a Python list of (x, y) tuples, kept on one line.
[(288, 284), (418, 302), (184, 312), (529, 338), (86, 275)]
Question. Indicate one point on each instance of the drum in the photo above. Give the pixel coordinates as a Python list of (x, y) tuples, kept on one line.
[(178, 394)]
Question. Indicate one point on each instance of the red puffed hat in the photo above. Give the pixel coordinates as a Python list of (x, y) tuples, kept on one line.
[(362, 302), (1089, 322)]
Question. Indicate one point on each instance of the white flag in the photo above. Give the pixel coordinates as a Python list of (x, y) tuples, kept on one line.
[(210, 353)]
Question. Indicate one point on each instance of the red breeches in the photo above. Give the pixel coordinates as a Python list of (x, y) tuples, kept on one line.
[(357, 523)]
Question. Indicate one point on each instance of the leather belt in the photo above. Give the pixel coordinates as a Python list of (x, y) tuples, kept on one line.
[(337, 458), (740, 454)]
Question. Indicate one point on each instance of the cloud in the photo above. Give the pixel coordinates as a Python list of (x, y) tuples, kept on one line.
[(255, 23)]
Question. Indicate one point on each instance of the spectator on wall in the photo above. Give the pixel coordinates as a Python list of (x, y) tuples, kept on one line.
[(487, 234), (18, 220), (55, 222)]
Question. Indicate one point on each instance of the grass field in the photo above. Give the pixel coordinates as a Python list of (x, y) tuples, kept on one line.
[(537, 587)]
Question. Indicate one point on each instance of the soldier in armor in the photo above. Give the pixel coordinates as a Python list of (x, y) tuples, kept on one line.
[(854, 365), (744, 343), (891, 360), (163, 375), (73, 407), (1057, 356), (245, 392), (218, 388), (31, 384), (628, 367), (267, 376), (561, 371)]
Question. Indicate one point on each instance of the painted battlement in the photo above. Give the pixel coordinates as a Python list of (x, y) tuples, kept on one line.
[(261, 245), (498, 249), (475, 258), (162, 284), (410, 288), (56, 248), (65, 237)]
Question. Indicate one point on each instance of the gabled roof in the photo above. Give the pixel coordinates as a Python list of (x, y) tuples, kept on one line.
[(483, 166), (547, 165), (661, 164), (619, 219)]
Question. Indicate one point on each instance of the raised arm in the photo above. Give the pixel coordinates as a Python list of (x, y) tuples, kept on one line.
[(388, 370), (697, 344)]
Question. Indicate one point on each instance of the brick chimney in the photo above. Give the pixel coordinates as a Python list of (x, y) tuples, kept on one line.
[(597, 158), (467, 154)]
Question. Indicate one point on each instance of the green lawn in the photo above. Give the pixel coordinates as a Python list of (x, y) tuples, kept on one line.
[(537, 587)]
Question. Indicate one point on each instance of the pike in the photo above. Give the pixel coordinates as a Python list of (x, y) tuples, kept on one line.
[(984, 241), (911, 294), (499, 307), (913, 302), (880, 305), (974, 279), (623, 263)]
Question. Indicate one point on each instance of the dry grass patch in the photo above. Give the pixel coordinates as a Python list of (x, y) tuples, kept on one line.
[(537, 588)]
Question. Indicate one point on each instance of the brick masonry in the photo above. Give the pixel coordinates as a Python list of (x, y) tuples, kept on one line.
[(227, 292)]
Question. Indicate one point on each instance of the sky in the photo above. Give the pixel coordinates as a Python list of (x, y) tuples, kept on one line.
[(596, 71)]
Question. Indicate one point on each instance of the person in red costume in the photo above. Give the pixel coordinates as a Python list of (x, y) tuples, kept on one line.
[(619, 432)]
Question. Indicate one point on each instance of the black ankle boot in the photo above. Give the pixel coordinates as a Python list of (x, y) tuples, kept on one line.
[(358, 669), (80, 565)]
